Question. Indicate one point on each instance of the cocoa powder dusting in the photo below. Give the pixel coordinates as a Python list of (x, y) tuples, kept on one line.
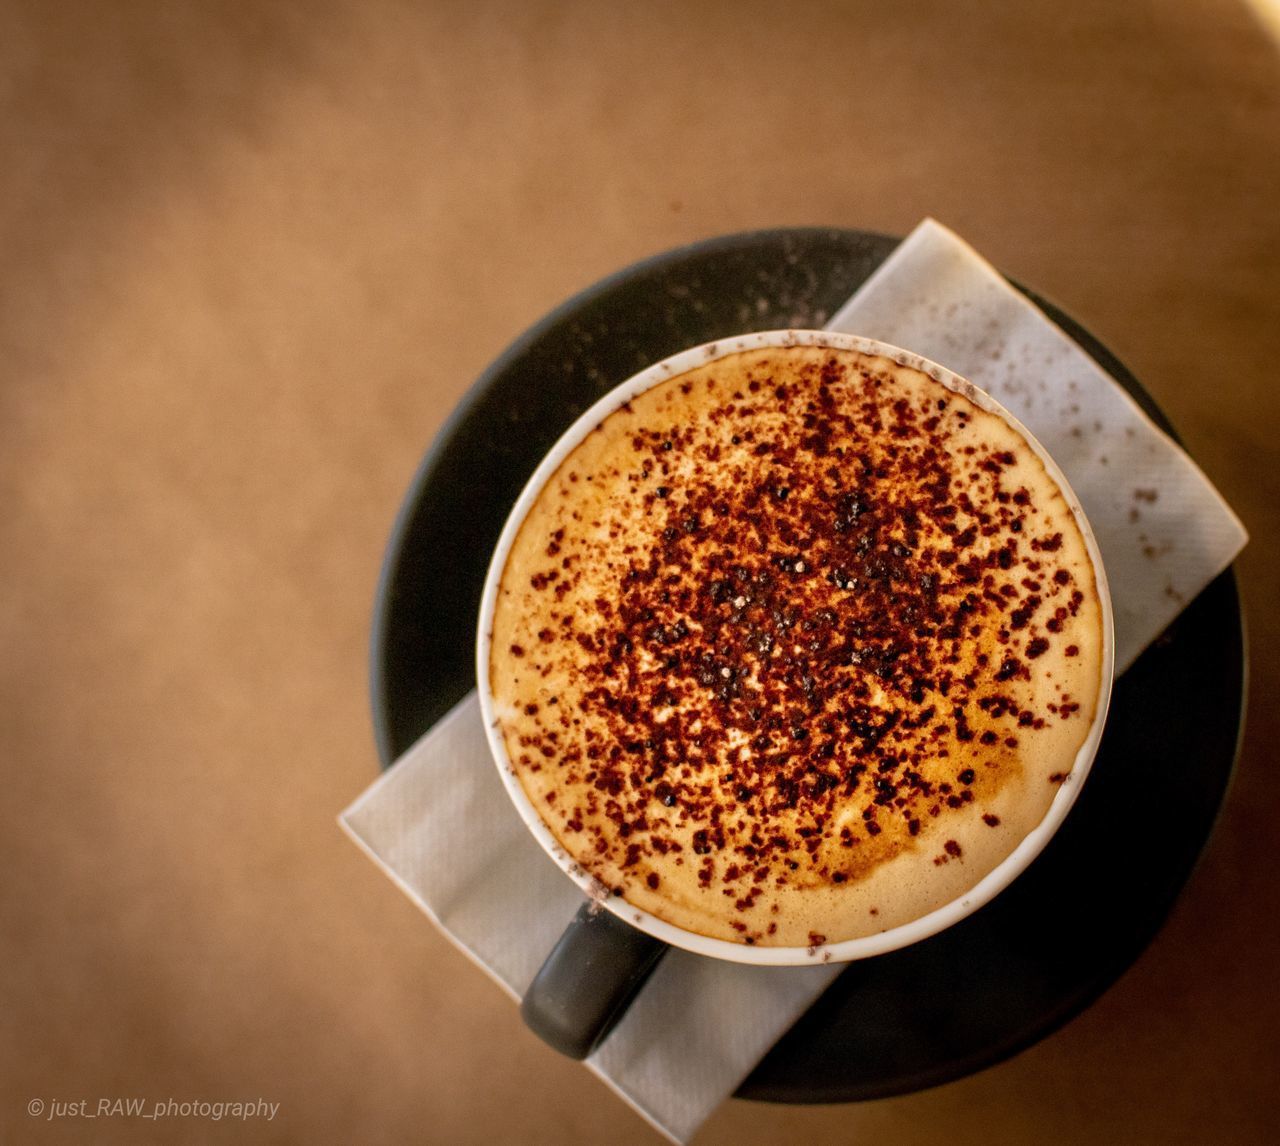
[(812, 656)]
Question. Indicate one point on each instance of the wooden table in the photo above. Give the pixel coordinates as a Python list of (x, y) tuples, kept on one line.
[(253, 255)]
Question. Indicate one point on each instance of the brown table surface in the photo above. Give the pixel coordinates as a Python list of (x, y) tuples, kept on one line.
[(250, 257)]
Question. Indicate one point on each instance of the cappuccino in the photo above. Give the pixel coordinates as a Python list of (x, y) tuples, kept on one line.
[(796, 646)]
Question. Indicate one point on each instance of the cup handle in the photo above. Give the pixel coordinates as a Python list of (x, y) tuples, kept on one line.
[(589, 980)]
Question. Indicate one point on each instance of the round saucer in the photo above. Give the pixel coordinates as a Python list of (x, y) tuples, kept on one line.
[(1074, 921)]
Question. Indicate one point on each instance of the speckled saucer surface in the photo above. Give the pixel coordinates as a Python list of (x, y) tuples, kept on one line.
[(1073, 922)]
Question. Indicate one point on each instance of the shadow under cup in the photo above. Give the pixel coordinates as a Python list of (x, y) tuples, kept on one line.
[(602, 960)]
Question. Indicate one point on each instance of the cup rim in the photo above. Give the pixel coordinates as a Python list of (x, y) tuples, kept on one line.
[(847, 950)]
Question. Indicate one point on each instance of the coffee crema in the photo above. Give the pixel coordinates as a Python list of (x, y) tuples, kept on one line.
[(796, 646)]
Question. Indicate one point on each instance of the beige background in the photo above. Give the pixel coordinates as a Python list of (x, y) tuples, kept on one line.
[(252, 254)]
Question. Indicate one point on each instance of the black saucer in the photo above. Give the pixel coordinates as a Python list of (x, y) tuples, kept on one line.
[(1064, 931)]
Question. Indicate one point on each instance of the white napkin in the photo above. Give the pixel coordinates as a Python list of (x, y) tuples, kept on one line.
[(441, 826), (1164, 531)]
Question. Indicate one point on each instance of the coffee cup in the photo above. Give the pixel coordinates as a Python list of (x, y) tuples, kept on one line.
[(796, 648)]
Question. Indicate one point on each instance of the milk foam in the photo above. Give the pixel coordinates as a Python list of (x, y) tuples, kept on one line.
[(796, 647)]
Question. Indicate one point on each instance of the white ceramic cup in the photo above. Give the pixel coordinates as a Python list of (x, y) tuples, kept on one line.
[(895, 937)]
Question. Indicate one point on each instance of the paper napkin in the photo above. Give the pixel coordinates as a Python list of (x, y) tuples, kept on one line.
[(1164, 531), (439, 821)]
